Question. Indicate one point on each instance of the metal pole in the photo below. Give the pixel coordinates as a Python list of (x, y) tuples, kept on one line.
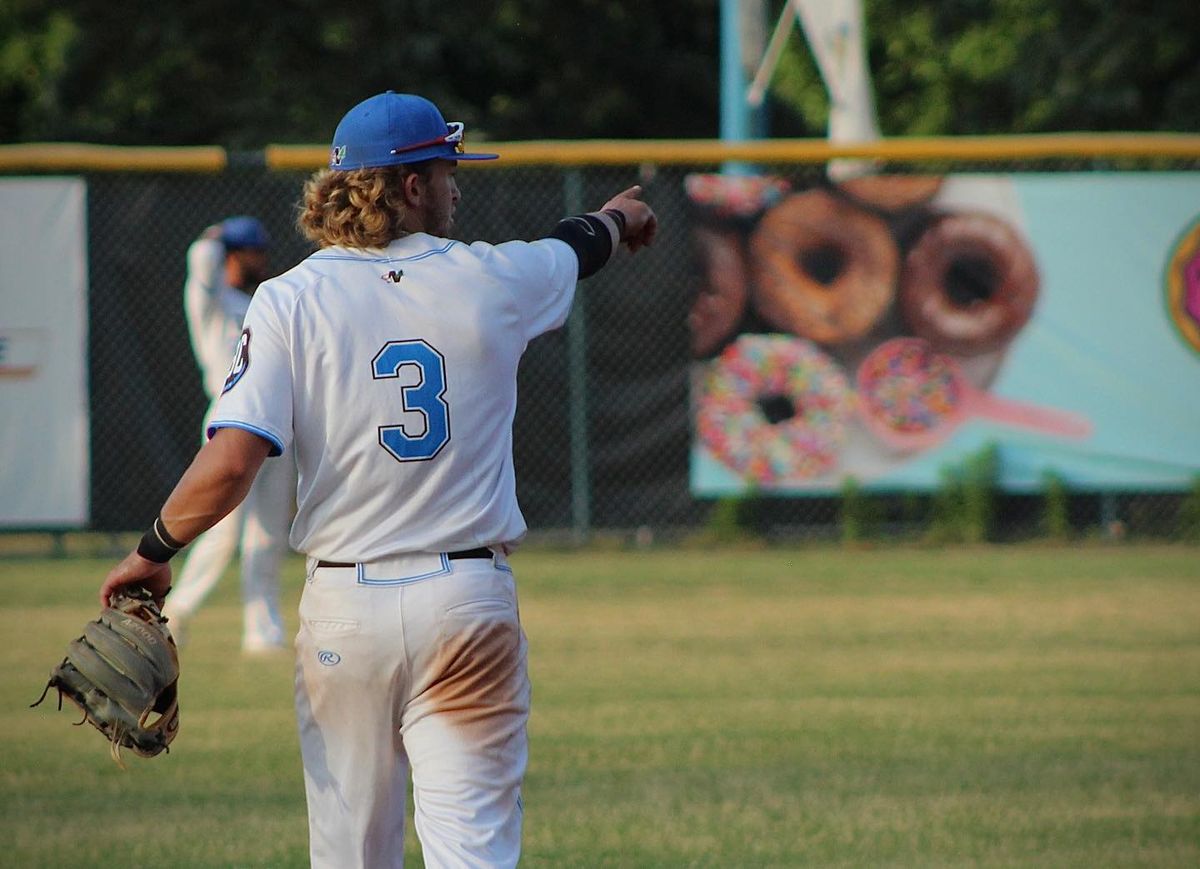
[(735, 113), (742, 39), (581, 508)]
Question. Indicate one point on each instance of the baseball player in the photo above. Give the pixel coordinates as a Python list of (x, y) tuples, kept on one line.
[(387, 363), (225, 266)]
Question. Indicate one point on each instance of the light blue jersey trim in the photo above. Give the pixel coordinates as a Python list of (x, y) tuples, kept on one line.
[(387, 259), (406, 580), (276, 443)]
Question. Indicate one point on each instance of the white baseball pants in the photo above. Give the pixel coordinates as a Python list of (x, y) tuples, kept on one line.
[(416, 665), (260, 524)]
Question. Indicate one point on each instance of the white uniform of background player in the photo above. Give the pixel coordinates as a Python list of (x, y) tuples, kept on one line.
[(389, 370), (215, 311)]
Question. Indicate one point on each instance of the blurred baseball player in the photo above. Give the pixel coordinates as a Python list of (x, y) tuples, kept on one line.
[(387, 362), (225, 266)]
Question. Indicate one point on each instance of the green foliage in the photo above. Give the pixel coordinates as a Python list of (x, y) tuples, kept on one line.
[(964, 505), (851, 508), (946, 513), (1016, 66), (979, 492), (35, 54), (1056, 521), (859, 513), (245, 75), (734, 519)]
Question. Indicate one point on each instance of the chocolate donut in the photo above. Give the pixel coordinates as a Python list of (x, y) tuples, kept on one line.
[(969, 284), (721, 301)]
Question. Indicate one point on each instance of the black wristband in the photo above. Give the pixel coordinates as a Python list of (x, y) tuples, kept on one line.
[(593, 237), (157, 545), (619, 217)]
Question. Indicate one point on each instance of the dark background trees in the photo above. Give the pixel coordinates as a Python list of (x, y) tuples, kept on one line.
[(247, 74)]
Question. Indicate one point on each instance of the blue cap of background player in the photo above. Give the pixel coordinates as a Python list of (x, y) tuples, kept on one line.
[(244, 232), (390, 128)]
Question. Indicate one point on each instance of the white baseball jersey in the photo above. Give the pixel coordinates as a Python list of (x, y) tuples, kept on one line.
[(214, 310), (393, 375)]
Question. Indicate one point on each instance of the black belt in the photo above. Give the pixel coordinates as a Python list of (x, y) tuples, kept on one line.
[(481, 552)]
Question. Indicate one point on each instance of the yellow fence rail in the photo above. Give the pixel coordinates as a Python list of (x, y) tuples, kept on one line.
[(61, 157), (69, 157)]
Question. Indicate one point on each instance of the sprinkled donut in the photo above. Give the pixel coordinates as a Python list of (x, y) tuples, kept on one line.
[(774, 408), (823, 268), (968, 285), (908, 389)]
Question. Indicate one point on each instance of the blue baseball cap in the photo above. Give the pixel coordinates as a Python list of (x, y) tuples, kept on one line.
[(390, 128), (243, 232)]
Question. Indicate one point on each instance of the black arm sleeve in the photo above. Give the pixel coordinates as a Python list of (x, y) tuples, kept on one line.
[(593, 237)]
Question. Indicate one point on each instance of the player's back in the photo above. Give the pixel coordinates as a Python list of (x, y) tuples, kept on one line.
[(404, 389)]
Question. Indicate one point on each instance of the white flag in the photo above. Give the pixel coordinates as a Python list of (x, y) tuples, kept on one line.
[(834, 29)]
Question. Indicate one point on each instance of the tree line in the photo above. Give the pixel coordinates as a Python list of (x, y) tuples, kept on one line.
[(243, 75)]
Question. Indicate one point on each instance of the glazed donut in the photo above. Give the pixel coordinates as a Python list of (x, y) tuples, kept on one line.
[(823, 269), (968, 285), (892, 192), (774, 408)]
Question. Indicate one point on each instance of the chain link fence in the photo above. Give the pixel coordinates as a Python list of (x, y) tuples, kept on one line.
[(603, 428)]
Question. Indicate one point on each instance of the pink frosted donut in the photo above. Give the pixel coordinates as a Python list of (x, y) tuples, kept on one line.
[(734, 195), (774, 408), (1191, 278), (1183, 286)]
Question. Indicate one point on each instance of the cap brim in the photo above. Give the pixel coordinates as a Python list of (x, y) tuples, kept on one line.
[(351, 162)]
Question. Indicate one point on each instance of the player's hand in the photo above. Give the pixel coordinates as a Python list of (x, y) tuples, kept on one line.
[(640, 223), (135, 570)]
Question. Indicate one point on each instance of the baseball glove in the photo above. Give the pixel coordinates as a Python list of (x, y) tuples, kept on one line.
[(123, 674)]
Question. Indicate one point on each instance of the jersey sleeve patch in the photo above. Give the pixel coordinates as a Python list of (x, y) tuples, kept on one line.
[(241, 362)]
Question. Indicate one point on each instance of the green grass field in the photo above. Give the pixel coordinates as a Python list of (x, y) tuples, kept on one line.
[(995, 706)]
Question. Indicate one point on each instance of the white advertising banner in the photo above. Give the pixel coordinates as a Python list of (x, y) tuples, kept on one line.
[(44, 460)]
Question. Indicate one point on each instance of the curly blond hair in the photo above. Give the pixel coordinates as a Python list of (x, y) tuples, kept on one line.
[(359, 208)]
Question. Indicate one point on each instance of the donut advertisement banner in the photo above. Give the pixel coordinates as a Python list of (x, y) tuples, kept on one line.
[(887, 327)]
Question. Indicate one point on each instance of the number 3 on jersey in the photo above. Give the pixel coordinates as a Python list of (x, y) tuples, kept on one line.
[(425, 426)]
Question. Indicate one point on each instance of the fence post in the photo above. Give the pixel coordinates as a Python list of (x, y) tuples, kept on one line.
[(581, 518)]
